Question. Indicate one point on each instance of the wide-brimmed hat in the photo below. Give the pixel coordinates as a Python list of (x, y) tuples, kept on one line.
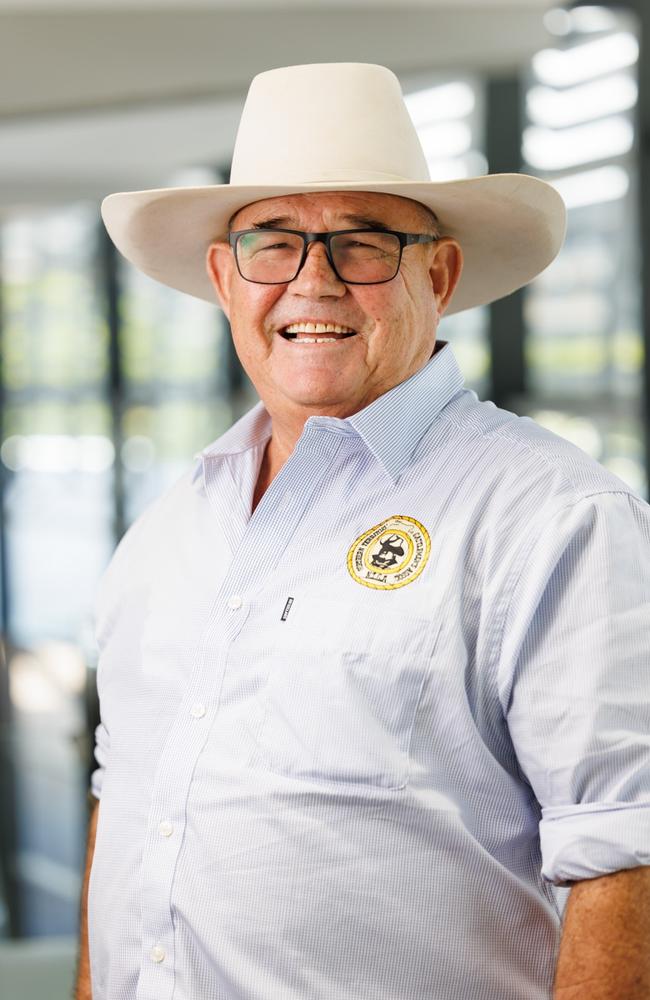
[(340, 127)]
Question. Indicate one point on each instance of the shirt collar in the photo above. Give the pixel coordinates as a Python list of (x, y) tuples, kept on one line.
[(391, 427), (250, 431)]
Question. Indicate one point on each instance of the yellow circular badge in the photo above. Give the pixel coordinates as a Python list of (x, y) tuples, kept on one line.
[(391, 554)]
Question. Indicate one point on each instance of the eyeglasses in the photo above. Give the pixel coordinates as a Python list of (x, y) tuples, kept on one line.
[(357, 256)]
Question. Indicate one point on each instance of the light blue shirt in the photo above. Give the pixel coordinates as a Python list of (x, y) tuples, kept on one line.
[(357, 744)]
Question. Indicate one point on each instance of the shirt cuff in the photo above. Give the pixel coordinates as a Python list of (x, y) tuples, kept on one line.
[(101, 756), (581, 842)]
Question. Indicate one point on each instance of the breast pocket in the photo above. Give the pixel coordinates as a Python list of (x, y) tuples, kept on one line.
[(342, 692)]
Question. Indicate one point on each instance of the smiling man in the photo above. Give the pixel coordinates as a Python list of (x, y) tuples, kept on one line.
[(373, 673), (327, 329)]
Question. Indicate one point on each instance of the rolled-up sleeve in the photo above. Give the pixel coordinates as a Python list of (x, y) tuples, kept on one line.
[(575, 684), (101, 756), (103, 600)]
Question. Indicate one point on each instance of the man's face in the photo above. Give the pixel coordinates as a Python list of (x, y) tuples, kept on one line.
[(394, 323)]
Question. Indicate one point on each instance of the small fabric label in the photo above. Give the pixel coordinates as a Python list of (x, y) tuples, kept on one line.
[(287, 609)]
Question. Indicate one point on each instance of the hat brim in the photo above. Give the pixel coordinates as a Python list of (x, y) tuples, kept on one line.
[(510, 227)]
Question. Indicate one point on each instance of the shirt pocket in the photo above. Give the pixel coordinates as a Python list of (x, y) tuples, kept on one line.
[(342, 691)]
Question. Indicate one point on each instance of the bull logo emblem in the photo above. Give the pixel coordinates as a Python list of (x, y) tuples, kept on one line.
[(390, 552)]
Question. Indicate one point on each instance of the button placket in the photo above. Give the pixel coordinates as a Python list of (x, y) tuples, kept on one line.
[(257, 554), (262, 549)]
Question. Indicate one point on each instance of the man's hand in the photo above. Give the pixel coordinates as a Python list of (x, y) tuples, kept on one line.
[(83, 989), (605, 945)]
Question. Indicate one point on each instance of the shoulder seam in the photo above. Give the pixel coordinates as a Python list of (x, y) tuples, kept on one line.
[(529, 446)]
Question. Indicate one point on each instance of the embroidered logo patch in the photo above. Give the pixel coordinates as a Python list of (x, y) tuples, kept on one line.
[(391, 554)]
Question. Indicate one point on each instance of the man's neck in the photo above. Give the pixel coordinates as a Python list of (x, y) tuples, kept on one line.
[(284, 437), (287, 426)]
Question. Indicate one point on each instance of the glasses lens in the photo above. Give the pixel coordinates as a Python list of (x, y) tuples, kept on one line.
[(366, 256), (269, 257)]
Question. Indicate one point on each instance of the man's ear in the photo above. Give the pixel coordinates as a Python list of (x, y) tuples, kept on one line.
[(445, 271), (219, 264)]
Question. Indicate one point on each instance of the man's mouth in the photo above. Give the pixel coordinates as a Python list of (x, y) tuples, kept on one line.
[(316, 333)]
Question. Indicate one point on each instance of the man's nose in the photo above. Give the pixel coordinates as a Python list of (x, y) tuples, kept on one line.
[(316, 276)]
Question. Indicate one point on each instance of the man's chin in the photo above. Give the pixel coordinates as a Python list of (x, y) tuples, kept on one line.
[(324, 402)]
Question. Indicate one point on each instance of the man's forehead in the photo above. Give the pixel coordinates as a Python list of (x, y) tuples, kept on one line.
[(356, 208)]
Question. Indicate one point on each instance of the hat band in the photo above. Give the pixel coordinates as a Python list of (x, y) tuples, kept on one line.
[(339, 176)]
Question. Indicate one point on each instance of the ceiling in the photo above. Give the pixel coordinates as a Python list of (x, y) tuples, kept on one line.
[(96, 98)]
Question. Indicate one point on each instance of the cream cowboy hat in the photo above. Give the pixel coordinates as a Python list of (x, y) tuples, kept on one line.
[(340, 127)]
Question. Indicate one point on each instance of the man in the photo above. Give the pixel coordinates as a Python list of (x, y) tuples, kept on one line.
[(368, 752)]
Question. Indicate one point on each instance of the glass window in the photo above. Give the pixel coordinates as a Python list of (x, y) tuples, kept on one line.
[(584, 345), (57, 464), (449, 116), (175, 357)]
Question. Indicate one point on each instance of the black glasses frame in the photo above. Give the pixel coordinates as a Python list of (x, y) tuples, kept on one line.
[(405, 240)]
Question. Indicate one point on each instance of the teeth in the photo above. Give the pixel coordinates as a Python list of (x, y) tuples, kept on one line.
[(317, 328), (315, 340)]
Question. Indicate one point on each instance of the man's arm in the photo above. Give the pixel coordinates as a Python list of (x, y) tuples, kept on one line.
[(605, 945), (83, 989)]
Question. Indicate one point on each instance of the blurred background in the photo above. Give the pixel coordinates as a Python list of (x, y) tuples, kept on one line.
[(109, 383)]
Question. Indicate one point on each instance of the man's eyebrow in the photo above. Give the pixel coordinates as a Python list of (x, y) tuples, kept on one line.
[(280, 220), (366, 222), (285, 222)]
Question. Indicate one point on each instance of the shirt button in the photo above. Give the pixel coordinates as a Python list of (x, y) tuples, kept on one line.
[(235, 602), (197, 711), (157, 953), (166, 828)]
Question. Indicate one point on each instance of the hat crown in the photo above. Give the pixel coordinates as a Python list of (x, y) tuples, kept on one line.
[(340, 127), (326, 122)]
